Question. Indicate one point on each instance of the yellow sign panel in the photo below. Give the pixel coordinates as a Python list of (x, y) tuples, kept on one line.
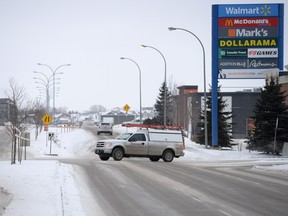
[(47, 119), (248, 42), (126, 107)]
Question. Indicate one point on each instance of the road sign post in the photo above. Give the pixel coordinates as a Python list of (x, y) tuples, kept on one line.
[(47, 119), (51, 138)]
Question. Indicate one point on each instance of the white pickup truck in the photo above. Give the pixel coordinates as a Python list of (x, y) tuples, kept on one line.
[(151, 143)]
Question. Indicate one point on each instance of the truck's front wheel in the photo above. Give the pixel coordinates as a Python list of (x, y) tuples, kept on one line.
[(118, 154), (168, 155)]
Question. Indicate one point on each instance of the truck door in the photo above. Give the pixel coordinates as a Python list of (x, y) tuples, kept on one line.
[(137, 144)]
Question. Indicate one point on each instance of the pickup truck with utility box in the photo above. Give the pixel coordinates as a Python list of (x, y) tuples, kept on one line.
[(145, 142)]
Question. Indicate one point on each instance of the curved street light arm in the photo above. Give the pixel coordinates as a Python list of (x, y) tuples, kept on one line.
[(42, 81), (204, 69), (53, 71), (53, 75), (165, 89), (123, 58), (38, 72), (161, 55)]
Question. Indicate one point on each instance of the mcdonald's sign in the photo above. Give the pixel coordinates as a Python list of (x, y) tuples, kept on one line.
[(248, 22)]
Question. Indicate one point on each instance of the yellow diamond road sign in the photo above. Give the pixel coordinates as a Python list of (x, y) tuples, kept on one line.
[(126, 107), (47, 119)]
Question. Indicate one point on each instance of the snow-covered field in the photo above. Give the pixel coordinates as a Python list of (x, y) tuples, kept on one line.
[(47, 187)]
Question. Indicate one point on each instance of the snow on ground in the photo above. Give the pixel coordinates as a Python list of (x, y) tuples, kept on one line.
[(48, 187)]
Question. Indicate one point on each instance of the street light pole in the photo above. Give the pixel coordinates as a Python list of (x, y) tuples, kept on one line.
[(46, 83), (122, 58), (165, 88), (54, 72), (204, 73)]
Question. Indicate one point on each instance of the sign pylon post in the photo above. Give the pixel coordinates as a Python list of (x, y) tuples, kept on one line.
[(47, 119)]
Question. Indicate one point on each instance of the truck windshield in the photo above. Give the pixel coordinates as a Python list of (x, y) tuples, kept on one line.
[(124, 136)]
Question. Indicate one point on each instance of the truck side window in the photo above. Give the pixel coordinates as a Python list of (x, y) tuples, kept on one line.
[(138, 137)]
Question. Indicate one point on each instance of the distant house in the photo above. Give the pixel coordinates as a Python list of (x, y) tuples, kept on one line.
[(63, 118), (117, 116), (148, 113)]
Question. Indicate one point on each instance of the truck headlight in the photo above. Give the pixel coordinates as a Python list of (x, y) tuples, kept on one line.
[(107, 145)]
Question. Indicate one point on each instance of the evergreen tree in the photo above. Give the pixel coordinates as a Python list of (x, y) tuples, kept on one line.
[(270, 110), (224, 124), (159, 107)]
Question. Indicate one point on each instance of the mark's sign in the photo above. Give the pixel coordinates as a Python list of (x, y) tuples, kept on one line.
[(248, 32)]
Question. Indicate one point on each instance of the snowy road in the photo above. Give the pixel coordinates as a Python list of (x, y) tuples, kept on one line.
[(77, 183), (140, 187)]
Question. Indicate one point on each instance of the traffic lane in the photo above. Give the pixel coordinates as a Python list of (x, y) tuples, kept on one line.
[(234, 189), (122, 190), (140, 187)]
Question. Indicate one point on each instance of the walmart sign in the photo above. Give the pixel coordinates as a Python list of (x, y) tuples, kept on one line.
[(251, 10)]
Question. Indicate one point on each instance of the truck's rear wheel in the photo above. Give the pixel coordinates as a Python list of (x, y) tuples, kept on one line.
[(104, 157), (118, 154), (154, 159), (168, 155)]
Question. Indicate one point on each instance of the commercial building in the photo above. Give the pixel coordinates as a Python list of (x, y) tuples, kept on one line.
[(189, 103)]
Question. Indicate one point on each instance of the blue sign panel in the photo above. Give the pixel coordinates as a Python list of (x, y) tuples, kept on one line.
[(247, 43), (248, 10)]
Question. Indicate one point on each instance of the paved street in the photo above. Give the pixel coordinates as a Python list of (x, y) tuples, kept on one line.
[(140, 187)]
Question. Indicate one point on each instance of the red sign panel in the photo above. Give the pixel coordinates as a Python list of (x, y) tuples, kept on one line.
[(247, 22)]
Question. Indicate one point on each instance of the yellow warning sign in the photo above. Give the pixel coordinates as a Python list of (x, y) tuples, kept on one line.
[(47, 119), (126, 107)]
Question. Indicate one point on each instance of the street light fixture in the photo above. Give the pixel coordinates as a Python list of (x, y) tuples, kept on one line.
[(46, 85), (165, 89), (204, 73), (54, 72), (123, 58)]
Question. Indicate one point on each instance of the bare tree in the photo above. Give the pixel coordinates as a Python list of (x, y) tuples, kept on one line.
[(38, 112), (20, 110), (172, 86), (61, 110), (97, 109), (172, 108)]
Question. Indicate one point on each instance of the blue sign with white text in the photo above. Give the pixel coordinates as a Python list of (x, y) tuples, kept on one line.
[(247, 43), (248, 10)]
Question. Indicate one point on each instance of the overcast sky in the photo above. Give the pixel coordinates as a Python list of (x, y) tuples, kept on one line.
[(92, 35)]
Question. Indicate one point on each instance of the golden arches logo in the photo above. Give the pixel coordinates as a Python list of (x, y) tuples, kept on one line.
[(229, 22)]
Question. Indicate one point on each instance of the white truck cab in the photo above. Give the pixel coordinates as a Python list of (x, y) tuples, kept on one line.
[(104, 127), (147, 142)]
